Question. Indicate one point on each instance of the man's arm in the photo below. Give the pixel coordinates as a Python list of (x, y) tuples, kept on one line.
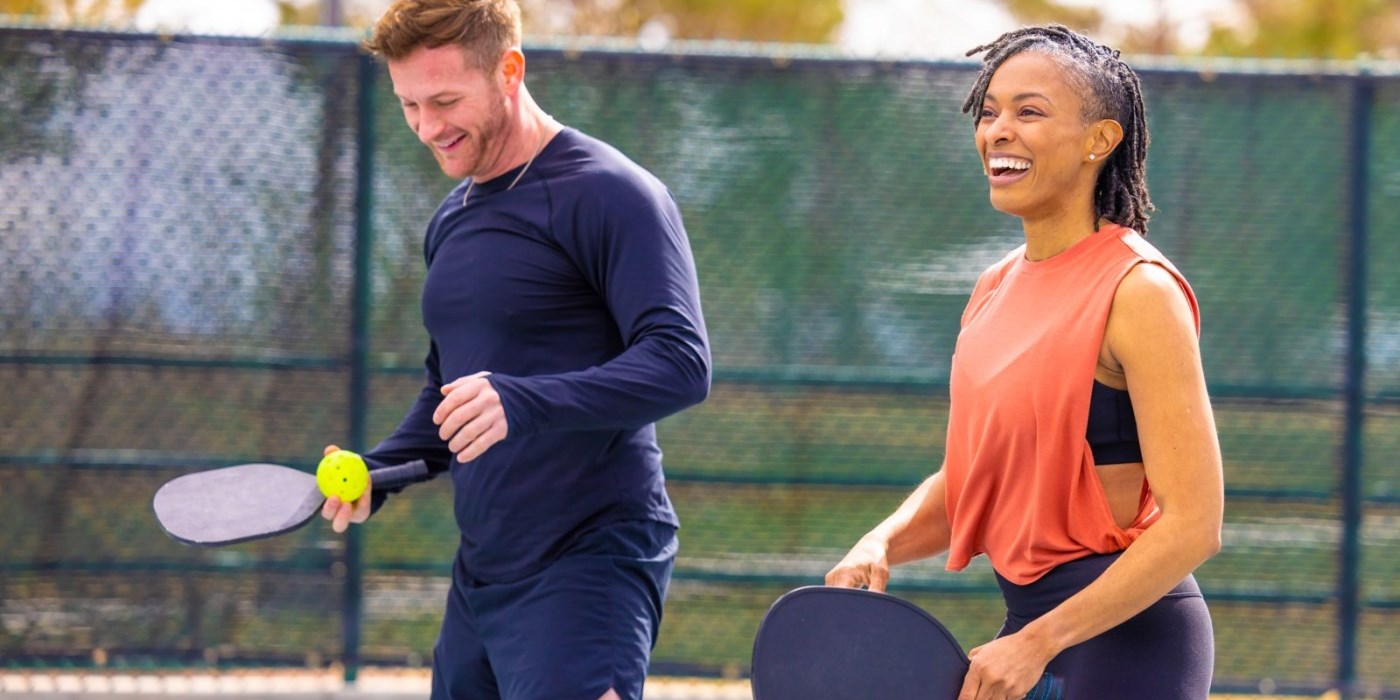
[(632, 247), (416, 437)]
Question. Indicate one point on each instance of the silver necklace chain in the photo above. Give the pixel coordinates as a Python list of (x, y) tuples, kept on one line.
[(544, 136)]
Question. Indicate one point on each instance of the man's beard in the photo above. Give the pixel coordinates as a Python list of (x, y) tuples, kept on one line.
[(484, 142)]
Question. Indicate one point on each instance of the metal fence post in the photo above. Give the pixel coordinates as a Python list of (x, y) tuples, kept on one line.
[(359, 346), (1348, 583)]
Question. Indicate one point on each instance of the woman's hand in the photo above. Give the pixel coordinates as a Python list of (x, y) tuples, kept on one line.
[(1005, 669), (867, 564)]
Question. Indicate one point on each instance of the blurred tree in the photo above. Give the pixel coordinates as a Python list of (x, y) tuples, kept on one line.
[(23, 7), (1156, 38), (803, 21), (1342, 29), (1085, 19), (77, 12), (299, 14), (302, 13)]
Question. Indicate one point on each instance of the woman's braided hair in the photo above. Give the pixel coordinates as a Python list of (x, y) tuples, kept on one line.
[(1109, 89)]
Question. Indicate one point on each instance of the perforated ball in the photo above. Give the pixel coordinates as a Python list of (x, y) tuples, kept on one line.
[(342, 474)]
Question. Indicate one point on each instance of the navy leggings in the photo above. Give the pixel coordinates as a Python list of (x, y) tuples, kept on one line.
[(1166, 652)]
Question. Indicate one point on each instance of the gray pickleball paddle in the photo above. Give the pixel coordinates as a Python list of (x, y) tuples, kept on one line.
[(252, 501)]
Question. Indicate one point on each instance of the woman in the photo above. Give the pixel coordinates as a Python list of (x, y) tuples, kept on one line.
[(1081, 457)]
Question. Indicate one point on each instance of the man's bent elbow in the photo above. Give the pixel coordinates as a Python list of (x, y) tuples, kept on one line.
[(696, 389), (697, 377)]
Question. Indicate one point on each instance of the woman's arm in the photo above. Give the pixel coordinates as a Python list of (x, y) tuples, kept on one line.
[(917, 529), (1151, 332)]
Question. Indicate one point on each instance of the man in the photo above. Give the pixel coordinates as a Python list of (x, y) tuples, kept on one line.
[(564, 317)]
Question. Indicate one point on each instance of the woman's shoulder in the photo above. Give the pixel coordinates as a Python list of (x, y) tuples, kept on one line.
[(1156, 293), (1141, 248), (1148, 284)]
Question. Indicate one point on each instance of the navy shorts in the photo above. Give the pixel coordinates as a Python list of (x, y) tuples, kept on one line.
[(583, 625), (1166, 652)]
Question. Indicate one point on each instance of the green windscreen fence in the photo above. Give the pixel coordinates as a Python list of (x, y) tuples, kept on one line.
[(194, 233)]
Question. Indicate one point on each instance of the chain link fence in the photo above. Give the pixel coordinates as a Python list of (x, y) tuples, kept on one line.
[(194, 233)]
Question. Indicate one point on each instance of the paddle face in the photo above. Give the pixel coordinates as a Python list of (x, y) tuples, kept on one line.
[(824, 643), (236, 504)]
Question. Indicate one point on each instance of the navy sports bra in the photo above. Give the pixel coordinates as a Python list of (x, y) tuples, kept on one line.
[(1112, 433)]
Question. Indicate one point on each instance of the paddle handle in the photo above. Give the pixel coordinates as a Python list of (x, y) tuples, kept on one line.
[(399, 475)]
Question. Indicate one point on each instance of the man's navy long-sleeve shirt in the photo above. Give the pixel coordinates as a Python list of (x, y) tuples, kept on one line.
[(576, 289)]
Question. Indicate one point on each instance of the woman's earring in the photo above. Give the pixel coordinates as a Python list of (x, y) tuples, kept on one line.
[(1092, 156)]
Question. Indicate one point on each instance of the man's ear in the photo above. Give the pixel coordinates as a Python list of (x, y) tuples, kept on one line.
[(511, 72), (1104, 136)]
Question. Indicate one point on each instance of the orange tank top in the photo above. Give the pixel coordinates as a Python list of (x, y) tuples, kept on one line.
[(1021, 483)]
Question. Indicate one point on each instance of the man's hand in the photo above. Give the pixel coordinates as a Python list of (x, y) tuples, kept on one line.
[(341, 514), (470, 417)]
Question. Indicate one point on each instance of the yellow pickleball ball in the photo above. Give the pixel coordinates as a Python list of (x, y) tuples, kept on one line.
[(342, 474)]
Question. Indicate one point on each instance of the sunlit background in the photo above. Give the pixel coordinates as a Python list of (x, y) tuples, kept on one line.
[(1340, 29)]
